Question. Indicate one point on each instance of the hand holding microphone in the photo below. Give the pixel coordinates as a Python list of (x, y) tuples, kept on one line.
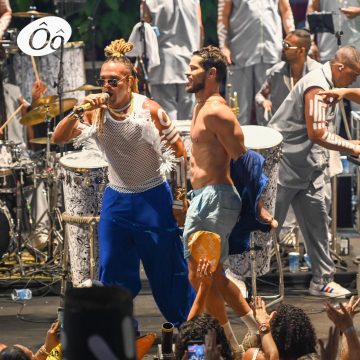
[(93, 101)]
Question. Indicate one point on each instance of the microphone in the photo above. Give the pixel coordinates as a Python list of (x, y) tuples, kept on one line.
[(104, 97)]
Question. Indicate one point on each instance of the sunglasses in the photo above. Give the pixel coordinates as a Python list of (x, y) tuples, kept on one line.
[(287, 46), (112, 82)]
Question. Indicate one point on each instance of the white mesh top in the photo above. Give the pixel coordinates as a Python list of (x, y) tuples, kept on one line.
[(133, 162)]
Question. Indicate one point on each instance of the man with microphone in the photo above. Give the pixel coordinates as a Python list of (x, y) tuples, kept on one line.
[(136, 222)]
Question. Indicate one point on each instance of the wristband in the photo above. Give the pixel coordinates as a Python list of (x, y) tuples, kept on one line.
[(43, 351)]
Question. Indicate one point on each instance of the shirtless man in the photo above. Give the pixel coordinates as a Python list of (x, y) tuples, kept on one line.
[(215, 204)]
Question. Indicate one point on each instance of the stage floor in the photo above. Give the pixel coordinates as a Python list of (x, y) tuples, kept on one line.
[(39, 312), (28, 325)]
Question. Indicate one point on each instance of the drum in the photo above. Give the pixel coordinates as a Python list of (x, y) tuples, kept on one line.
[(48, 67), (9, 153), (268, 142), (84, 178), (6, 228), (21, 171), (8, 41)]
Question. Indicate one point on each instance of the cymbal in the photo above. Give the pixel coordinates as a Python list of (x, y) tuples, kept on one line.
[(30, 13), (38, 114), (44, 100), (41, 141), (85, 87)]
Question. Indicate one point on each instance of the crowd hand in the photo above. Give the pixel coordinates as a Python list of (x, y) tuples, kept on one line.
[(351, 12), (212, 350), (38, 90), (204, 273), (260, 313), (330, 350), (342, 317), (52, 336)]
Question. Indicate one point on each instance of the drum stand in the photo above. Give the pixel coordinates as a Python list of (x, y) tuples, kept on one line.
[(275, 298), (22, 219), (92, 221)]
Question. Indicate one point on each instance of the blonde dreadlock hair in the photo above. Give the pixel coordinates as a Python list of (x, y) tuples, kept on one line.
[(115, 52)]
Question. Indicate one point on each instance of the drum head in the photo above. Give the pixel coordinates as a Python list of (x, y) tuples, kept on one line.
[(83, 160), (260, 137)]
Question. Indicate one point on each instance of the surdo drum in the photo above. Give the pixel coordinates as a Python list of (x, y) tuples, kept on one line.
[(84, 177)]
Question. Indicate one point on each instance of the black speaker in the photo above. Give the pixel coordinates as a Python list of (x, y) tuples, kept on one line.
[(344, 207)]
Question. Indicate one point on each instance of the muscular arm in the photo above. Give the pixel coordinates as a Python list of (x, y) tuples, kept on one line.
[(169, 133), (223, 123), (286, 15), (315, 110), (166, 128), (224, 11)]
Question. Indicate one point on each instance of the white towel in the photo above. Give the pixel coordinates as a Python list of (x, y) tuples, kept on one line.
[(152, 46)]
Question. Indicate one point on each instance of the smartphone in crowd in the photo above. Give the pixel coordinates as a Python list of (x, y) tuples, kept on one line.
[(61, 317), (196, 350)]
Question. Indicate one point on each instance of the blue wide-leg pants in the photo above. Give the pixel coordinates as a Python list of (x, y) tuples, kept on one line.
[(141, 226)]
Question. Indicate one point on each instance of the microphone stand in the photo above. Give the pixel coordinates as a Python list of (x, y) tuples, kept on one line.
[(143, 59)]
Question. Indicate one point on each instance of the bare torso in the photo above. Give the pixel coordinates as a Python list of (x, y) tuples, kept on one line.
[(209, 161)]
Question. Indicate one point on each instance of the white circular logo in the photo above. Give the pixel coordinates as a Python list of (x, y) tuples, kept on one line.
[(44, 36)]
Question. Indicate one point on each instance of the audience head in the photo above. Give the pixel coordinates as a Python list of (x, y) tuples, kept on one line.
[(196, 329), (296, 45), (293, 332), (14, 353), (345, 66), (212, 57)]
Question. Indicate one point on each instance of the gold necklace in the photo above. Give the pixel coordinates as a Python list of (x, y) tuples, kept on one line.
[(118, 112)]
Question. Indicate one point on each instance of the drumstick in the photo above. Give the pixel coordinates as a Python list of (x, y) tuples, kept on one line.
[(11, 116), (35, 68)]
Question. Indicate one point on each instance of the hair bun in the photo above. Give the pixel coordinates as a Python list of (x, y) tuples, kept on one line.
[(118, 48)]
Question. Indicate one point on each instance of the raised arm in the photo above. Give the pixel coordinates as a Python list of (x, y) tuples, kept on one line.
[(224, 11), (173, 140), (286, 16), (315, 110), (5, 16)]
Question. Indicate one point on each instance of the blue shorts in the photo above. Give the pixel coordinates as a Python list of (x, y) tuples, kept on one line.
[(214, 208)]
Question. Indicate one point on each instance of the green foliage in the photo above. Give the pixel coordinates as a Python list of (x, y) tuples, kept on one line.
[(113, 19)]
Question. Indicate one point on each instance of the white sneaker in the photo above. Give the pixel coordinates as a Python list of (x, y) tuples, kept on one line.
[(239, 283), (331, 289)]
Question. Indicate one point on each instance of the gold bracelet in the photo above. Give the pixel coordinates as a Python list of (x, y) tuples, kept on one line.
[(78, 117), (43, 350), (180, 193)]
